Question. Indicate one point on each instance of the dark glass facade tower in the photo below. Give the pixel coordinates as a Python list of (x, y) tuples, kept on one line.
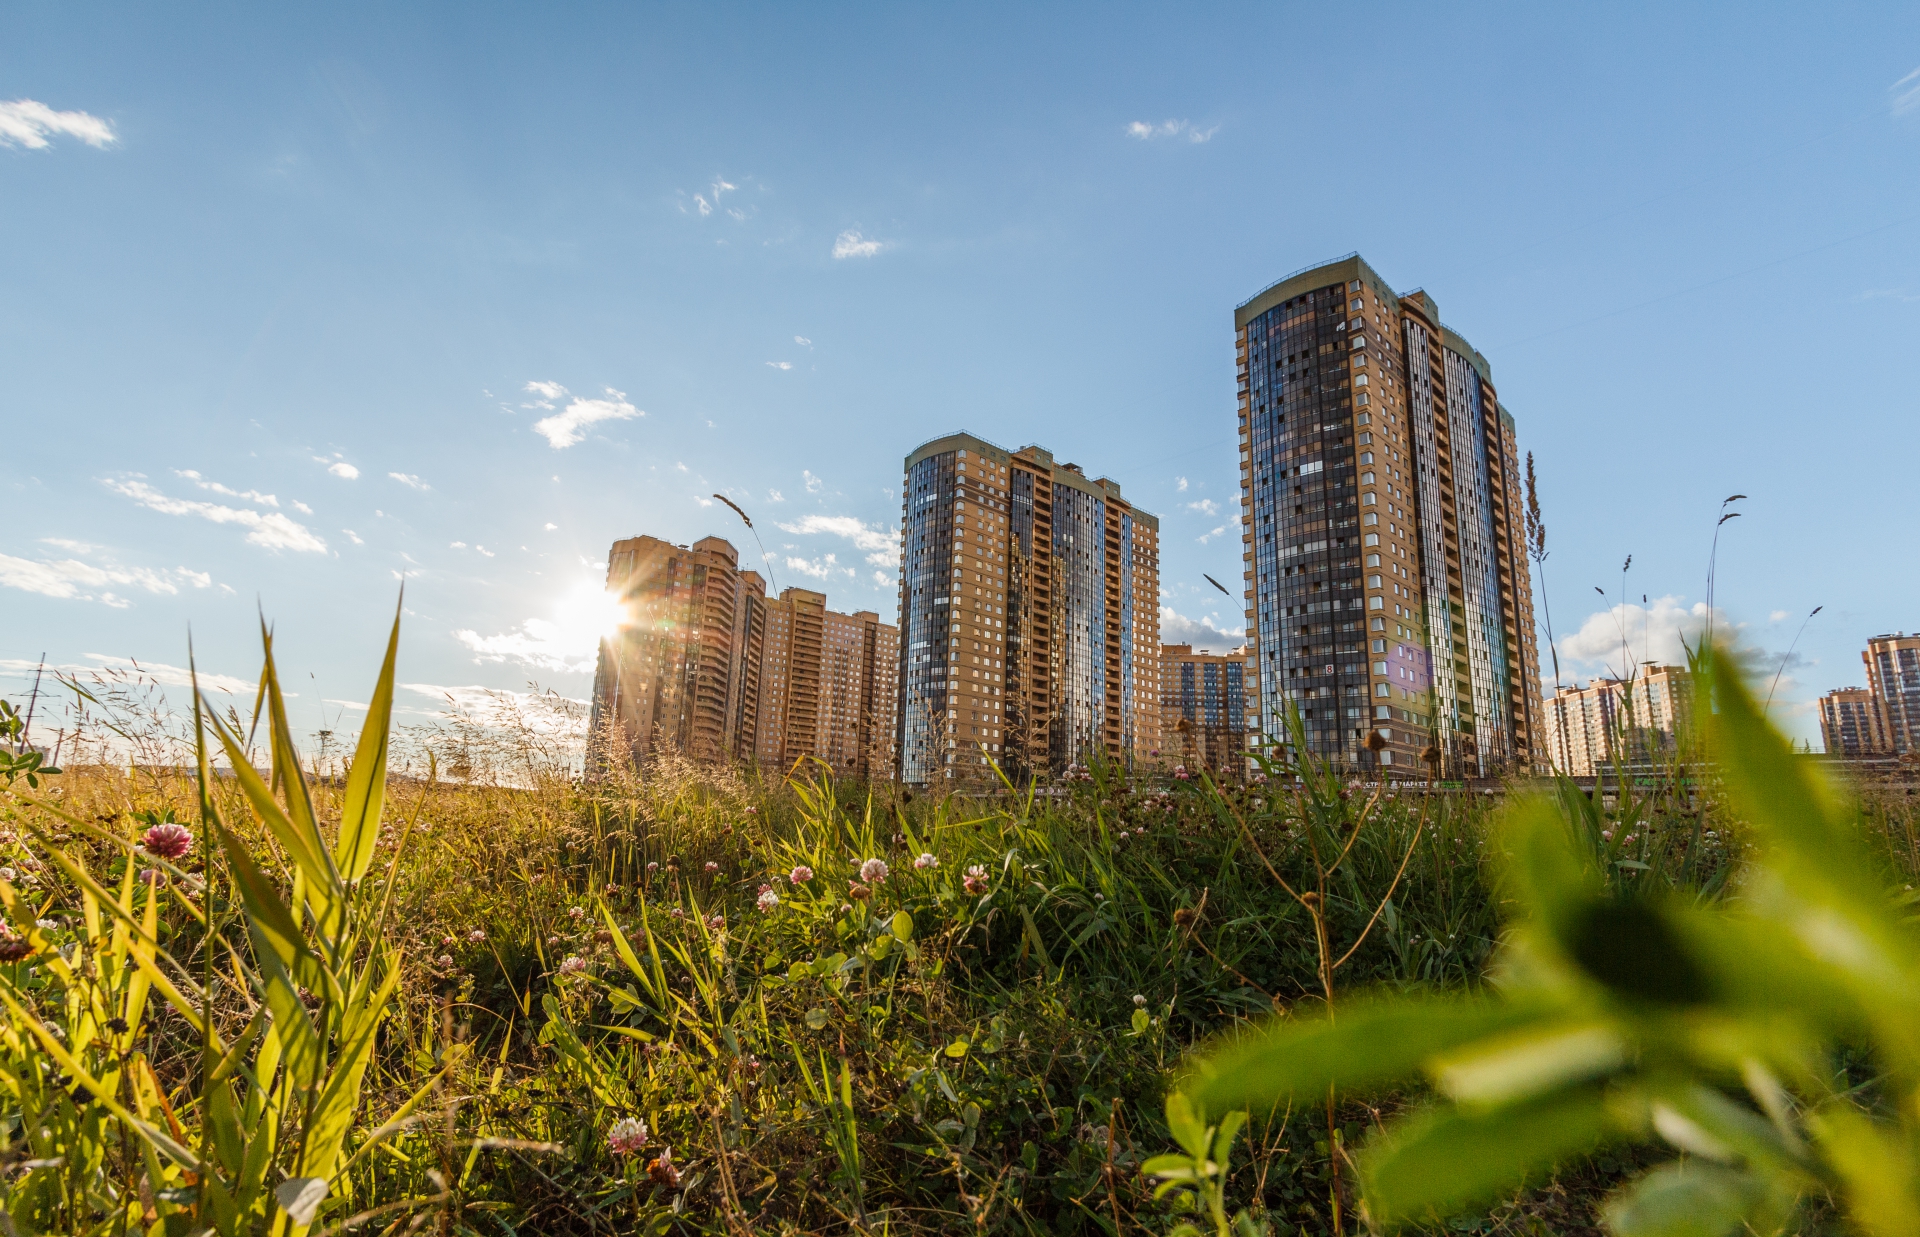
[(1387, 585)]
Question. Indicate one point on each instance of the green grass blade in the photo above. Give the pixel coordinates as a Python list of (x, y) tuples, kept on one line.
[(367, 779)]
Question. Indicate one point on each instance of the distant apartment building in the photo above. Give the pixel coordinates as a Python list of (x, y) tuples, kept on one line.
[(1203, 709), (1893, 675), (1387, 583), (1029, 616), (1852, 723), (1611, 722), (707, 665)]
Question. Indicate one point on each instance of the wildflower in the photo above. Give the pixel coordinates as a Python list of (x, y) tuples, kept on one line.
[(47, 925), (1120, 836), (652, 868), (169, 841), (1139, 1001), (663, 1172), (444, 961), (768, 899), (575, 912), (712, 867), (751, 1064), (926, 861), (858, 892), (13, 946), (627, 1136), (716, 922), (677, 913), (976, 881), (873, 871), (1630, 837), (753, 811), (800, 875), (9, 875), (573, 965), (1607, 834)]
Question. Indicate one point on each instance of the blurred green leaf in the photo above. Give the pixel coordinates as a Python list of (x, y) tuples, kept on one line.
[(1688, 1198)]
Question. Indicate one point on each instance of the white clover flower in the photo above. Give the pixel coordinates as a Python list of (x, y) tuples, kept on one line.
[(627, 1136), (768, 899), (926, 861), (573, 965), (873, 871)]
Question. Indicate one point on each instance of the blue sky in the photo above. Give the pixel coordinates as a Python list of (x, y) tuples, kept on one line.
[(297, 303)]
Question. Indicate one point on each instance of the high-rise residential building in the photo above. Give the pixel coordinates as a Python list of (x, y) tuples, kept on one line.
[(1029, 616), (1609, 722), (675, 674), (1203, 709), (1387, 584), (1893, 674), (827, 688), (708, 665), (1852, 723)]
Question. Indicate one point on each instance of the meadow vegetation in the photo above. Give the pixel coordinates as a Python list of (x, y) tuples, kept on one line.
[(453, 987)]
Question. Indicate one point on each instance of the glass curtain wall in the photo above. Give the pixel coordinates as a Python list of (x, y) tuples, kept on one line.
[(1480, 583), (1079, 625), (927, 546)]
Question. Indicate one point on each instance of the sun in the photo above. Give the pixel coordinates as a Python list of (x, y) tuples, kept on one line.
[(586, 614)]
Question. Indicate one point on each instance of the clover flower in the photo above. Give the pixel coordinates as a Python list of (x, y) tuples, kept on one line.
[(168, 840), (652, 868), (576, 912), (662, 1170), (927, 860), (476, 936), (444, 961), (712, 867), (976, 881), (573, 965), (768, 899), (873, 871), (1139, 1001), (13, 946), (716, 922), (627, 1136), (800, 875)]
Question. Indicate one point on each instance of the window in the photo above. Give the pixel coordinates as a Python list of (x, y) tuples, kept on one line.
[(1373, 560), (1366, 478), (1373, 581)]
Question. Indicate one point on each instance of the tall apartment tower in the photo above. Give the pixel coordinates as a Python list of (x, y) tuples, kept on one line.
[(1893, 673), (1387, 585), (1617, 721), (826, 688), (678, 672), (1029, 616), (1203, 710), (1852, 723)]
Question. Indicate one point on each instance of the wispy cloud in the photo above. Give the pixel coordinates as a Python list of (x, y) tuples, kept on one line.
[(803, 341), (353, 536), (882, 546), (568, 642), (851, 244), (1203, 634), (1180, 129), (70, 579), (1905, 93), (1205, 506), (272, 530), (159, 672), (780, 364), (814, 484), (252, 496), (1210, 534), (568, 426), (705, 204), (822, 568), (775, 496), (410, 480), (1180, 485), (338, 467), (29, 123)]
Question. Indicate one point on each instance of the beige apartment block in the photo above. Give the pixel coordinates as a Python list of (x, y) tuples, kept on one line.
[(1029, 617), (1203, 709), (1617, 721), (1853, 723), (1387, 583), (667, 678), (1893, 675), (708, 665)]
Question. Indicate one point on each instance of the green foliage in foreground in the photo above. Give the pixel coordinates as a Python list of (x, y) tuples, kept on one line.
[(674, 1001), (1622, 1013)]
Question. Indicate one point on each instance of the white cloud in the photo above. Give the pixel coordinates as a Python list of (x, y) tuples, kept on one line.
[(301, 507), (775, 496), (456, 545), (779, 364), (820, 568), (548, 714), (72, 580), (28, 123), (409, 480), (159, 672), (1906, 93), (881, 579), (851, 244), (545, 393), (569, 426), (1181, 487), (252, 496), (1204, 634), (340, 468), (272, 530), (882, 545), (551, 526), (803, 341), (1777, 615), (568, 642), (353, 536), (1612, 641), (1211, 534), (680, 467), (1181, 129), (814, 484), (1205, 506)]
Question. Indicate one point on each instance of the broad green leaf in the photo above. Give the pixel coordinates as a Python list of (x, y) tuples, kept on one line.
[(1141, 1021), (816, 1018), (1446, 1158), (367, 779), (1542, 1058), (1372, 1044), (1687, 1198), (902, 926), (1187, 1126), (957, 1049)]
